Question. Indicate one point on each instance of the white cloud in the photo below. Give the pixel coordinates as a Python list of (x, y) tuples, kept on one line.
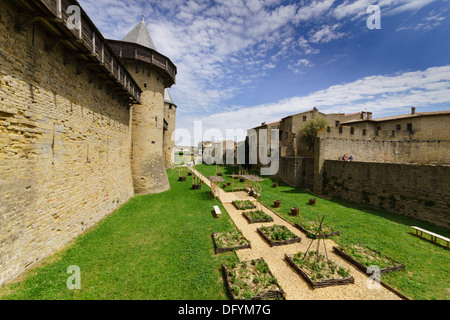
[(381, 94), (326, 34)]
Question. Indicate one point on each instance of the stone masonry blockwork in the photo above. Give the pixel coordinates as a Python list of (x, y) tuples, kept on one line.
[(65, 149)]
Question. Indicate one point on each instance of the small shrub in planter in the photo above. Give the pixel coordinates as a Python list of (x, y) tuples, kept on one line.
[(244, 204), (252, 280), (229, 241), (278, 235), (276, 203), (312, 201), (257, 216), (318, 271), (363, 257), (295, 211)]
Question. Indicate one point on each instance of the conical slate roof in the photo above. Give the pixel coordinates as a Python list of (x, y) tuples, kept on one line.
[(140, 35)]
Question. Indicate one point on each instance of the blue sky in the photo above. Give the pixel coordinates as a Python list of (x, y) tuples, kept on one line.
[(243, 62)]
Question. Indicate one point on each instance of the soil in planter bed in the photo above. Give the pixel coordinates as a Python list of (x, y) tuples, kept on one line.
[(230, 241), (257, 216), (311, 227), (252, 280), (244, 204), (367, 257), (278, 233)]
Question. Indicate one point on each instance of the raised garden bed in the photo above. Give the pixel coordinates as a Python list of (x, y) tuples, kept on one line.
[(363, 257), (278, 235), (319, 272), (311, 227), (244, 204), (252, 280), (257, 216), (229, 241)]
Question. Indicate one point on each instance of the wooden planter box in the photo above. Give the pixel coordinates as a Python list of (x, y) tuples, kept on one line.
[(397, 265), (244, 208), (274, 243), (274, 185), (181, 178), (311, 234), (256, 220), (321, 283), (196, 186), (277, 203), (219, 174), (267, 295), (220, 250), (295, 211), (312, 201)]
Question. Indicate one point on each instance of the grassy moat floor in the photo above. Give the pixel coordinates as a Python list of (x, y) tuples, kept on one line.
[(159, 247), (154, 247)]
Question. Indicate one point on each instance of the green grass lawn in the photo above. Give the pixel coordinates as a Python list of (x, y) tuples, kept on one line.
[(427, 272), (153, 247)]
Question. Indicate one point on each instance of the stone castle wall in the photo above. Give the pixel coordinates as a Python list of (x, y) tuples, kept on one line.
[(64, 149), (296, 172), (418, 191), (423, 152), (169, 143)]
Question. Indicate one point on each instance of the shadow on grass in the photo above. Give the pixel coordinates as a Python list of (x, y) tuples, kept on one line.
[(438, 244)]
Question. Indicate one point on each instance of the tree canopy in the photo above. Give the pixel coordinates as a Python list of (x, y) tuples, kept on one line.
[(308, 132)]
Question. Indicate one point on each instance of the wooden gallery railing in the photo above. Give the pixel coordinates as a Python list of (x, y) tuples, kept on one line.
[(84, 39)]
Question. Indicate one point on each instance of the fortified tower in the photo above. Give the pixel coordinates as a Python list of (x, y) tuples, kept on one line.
[(170, 110), (154, 73)]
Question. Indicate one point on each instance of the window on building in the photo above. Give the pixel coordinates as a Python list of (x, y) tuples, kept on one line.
[(304, 118), (340, 129), (328, 129), (352, 130), (393, 133), (364, 132), (281, 135), (409, 127), (398, 127), (336, 123)]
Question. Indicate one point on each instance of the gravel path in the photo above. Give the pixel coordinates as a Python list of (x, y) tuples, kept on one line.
[(292, 283)]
